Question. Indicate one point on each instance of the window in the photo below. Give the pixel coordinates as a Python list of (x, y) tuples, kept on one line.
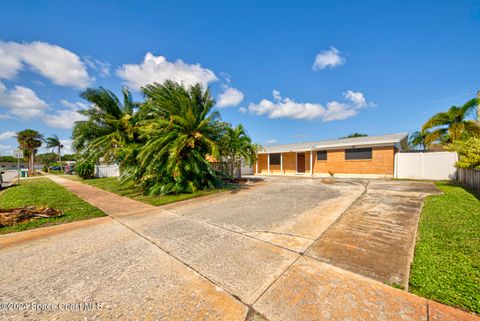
[(358, 153), (322, 155), (275, 159)]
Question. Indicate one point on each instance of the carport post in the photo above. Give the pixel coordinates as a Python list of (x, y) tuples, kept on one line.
[(281, 163), (268, 163), (256, 165), (311, 162)]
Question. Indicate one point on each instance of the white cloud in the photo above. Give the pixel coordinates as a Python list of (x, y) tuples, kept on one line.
[(6, 150), (103, 68), (271, 141), (230, 97), (60, 65), (65, 118), (21, 101), (158, 69), (328, 58), (67, 146), (7, 135), (242, 110), (288, 108)]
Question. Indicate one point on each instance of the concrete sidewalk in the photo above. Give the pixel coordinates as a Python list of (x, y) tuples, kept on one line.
[(148, 263)]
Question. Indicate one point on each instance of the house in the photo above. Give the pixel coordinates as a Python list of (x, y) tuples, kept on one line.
[(369, 157)]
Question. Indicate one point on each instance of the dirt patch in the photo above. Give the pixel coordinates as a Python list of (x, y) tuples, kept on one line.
[(16, 216)]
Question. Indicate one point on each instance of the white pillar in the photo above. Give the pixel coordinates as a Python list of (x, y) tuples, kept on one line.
[(281, 163), (268, 163), (311, 163)]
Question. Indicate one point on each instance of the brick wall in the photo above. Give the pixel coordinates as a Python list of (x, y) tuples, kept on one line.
[(382, 162)]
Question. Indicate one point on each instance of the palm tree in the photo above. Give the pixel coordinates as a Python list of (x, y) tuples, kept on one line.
[(452, 125), (238, 147), (109, 127), (29, 140), (54, 142), (417, 139), (180, 130)]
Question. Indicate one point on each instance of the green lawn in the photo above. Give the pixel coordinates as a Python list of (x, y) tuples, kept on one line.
[(113, 185), (446, 266), (44, 192)]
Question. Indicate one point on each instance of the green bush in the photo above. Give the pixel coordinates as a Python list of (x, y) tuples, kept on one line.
[(468, 152), (85, 169)]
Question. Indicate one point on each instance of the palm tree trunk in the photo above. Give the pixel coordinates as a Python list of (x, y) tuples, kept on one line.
[(60, 157), (31, 161)]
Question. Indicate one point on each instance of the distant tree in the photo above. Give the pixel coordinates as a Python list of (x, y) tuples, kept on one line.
[(447, 127), (417, 139), (54, 142), (47, 159), (237, 146), (70, 157), (355, 135), (8, 159), (29, 141)]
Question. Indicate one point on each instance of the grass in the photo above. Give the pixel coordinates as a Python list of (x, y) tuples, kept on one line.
[(128, 189), (446, 265), (44, 192)]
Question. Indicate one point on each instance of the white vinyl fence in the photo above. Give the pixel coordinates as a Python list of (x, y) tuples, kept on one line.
[(428, 165), (107, 171)]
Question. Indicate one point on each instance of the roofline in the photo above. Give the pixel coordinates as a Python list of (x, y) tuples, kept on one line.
[(340, 145)]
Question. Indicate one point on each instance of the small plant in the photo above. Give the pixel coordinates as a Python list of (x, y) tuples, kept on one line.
[(332, 174), (85, 169)]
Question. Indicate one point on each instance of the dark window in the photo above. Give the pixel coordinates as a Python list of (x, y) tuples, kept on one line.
[(322, 155), (275, 159), (358, 153)]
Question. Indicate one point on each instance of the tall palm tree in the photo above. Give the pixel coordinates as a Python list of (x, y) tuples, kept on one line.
[(54, 142), (447, 127), (238, 147), (418, 138), (30, 140), (109, 127), (180, 130)]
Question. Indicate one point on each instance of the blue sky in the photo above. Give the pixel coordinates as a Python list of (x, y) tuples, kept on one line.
[(288, 70)]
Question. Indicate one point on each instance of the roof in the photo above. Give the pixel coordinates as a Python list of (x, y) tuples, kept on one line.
[(390, 139)]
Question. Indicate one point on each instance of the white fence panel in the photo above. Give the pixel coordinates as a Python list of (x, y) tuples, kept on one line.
[(429, 165), (246, 170), (107, 171)]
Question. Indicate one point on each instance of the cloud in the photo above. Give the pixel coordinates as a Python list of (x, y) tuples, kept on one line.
[(288, 108), (6, 150), (103, 68), (7, 135), (328, 58), (271, 141), (242, 110), (158, 69), (65, 118), (230, 97), (67, 146), (60, 65), (21, 101)]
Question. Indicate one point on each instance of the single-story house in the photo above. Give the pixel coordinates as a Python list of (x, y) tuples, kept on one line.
[(369, 157)]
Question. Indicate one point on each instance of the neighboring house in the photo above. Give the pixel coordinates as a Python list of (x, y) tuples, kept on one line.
[(8, 166), (370, 156)]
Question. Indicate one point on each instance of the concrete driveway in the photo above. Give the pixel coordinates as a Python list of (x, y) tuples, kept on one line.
[(268, 249)]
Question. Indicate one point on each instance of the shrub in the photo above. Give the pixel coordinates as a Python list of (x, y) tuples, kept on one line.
[(468, 152), (85, 169)]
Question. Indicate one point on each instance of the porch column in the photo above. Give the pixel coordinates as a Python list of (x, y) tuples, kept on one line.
[(268, 163), (311, 163), (281, 163), (256, 165), (296, 163)]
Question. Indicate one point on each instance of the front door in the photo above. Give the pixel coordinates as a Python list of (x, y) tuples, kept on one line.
[(300, 162)]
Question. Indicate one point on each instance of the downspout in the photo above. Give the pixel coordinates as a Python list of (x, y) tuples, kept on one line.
[(268, 163), (311, 162)]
